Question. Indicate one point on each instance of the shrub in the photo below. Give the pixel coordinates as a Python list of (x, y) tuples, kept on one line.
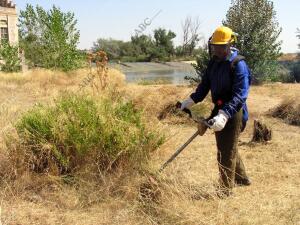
[(10, 57), (78, 130)]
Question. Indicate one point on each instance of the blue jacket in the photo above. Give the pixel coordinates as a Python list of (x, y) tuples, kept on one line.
[(229, 87)]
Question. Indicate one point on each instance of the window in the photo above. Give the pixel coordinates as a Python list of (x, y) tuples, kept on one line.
[(4, 33), (3, 23)]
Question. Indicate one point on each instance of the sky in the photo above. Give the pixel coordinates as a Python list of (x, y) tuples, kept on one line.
[(119, 19)]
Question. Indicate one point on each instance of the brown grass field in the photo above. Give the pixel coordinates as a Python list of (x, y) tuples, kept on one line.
[(184, 193)]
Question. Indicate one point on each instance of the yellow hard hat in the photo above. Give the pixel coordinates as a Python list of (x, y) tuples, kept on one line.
[(222, 36)]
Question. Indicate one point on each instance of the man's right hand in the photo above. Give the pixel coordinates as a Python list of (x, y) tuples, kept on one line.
[(188, 103), (219, 121)]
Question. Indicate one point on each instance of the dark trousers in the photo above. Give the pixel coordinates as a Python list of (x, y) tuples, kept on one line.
[(231, 166)]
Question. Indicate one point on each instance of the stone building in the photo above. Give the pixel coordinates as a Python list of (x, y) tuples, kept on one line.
[(8, 22)]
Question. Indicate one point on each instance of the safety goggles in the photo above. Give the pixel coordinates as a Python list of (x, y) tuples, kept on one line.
[(219, 48)]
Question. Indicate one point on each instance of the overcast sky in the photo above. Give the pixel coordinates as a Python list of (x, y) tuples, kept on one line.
[(119, 19)]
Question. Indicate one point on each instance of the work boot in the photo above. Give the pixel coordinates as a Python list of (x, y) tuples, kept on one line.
[(243, 182)]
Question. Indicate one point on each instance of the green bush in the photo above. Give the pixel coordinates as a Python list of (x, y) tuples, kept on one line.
[(10, 57), (78, 130)]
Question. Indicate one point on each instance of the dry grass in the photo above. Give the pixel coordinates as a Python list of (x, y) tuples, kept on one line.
[(187, 192), (288, 110)]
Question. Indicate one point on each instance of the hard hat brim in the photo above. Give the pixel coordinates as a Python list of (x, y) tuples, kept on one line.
[(220, 43)]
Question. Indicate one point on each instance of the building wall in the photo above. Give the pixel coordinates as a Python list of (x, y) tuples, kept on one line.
[(9, 19)]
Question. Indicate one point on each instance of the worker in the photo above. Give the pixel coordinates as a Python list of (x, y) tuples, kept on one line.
[(228, 78)]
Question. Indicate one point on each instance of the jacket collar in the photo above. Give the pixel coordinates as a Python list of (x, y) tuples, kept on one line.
[(233, 54)]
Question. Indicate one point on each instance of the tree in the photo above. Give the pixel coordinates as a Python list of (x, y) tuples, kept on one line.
[(49, 38), (139, 48), (142, 44), (163, 41), (110, 46), (191, 35), (127, 49), (258, 29)]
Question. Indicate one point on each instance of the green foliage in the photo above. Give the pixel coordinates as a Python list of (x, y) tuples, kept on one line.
[(201, 66), (283, 74), (255, 22), (138, 49), (49, 38), (110, 46), (142, 48), (10, 57), (142, 45), (163, 41), (79, 130)]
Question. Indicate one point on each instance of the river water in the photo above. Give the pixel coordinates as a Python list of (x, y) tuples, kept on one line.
[(168, 73)]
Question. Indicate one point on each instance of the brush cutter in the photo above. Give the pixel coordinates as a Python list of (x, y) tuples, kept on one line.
[(180, 149)]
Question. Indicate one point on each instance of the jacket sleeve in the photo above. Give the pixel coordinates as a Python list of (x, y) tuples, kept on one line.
[(240, 89), (202, 89)]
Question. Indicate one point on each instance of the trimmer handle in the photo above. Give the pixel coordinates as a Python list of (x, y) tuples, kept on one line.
[(210, 122)]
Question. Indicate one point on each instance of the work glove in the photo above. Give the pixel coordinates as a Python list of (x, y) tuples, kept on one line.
[(219, 121), (188, 103)]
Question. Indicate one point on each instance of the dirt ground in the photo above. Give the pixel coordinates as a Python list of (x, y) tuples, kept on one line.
[(187, 186)]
